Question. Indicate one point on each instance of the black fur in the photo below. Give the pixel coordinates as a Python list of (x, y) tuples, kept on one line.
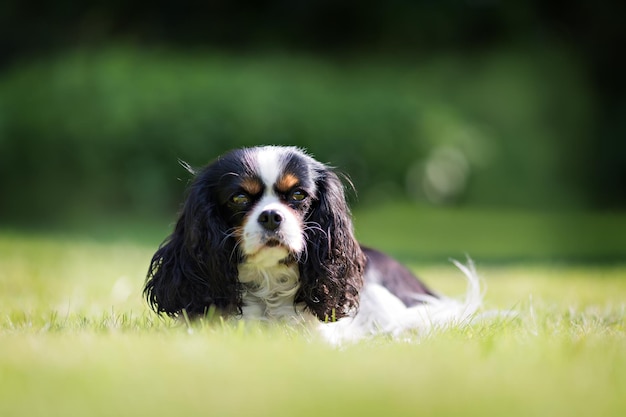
[(332, 275), (196, 267), (391, 274)]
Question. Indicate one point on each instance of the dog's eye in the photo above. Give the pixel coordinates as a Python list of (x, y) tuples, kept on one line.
[(240, 199), (297, 195)]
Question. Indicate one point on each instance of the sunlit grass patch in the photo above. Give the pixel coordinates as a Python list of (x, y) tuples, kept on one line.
[(545, 363), (76, 339)]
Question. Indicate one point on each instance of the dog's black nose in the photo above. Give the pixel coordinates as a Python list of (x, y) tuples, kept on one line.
[(270, 220)]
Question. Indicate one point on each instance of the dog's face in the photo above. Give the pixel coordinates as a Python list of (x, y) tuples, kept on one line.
[(259, 207), (266, 201)]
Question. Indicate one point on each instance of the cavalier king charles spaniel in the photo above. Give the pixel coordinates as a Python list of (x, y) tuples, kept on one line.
[(266, 233)]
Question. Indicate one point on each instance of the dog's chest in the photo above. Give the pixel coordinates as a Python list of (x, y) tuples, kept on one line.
[(269, 292)]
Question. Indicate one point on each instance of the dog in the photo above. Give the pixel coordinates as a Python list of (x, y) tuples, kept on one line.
[(265, 233)]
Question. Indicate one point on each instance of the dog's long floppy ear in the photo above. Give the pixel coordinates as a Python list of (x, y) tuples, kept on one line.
[(196, 266), (331, 272)]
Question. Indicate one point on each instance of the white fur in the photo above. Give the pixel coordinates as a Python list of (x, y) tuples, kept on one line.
[(269, 292), (381, 312), (270, 285), (270, 164), (289, 233)]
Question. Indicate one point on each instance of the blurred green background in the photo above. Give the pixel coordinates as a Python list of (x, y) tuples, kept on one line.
[(433, 108)]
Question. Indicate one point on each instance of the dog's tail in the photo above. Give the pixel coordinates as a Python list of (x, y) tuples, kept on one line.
[(383, 313)]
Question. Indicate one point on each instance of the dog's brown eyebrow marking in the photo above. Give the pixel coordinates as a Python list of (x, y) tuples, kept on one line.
[(252, 185), (287, 182)]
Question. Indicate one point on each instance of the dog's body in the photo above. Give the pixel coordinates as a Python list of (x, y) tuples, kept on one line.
[(269, 292), (266, 233)]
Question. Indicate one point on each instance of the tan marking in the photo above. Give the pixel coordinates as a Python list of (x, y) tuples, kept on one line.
[(286, 183), (238, 232), (252, 186)]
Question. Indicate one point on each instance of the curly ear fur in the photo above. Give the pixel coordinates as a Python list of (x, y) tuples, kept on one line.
[(331, 274), (196, 266)]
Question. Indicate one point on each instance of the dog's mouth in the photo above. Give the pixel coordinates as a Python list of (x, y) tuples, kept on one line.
[(273, 243), (270, 252), (269, 248)]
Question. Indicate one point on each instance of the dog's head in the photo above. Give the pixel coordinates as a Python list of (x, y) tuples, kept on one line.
[(260, 207)]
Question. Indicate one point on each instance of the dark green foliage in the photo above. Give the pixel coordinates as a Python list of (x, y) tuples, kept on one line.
[(102, 130)]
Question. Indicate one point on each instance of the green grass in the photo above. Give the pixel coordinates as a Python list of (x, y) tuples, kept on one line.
[(76, 339)]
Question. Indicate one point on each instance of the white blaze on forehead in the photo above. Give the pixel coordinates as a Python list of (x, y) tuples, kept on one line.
[(270, 165)]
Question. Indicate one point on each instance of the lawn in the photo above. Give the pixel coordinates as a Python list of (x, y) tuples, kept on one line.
[(76, 339)]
